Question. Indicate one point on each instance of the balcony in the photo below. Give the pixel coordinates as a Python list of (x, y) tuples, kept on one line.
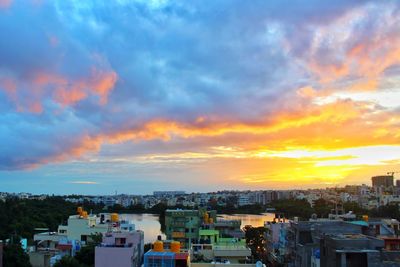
[(178, 235), (222, 250), (232, 251), (177, 224)]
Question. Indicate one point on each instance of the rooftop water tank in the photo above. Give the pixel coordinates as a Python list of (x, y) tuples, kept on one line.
[(84, 214), (158, 246), (175, 246), (206, 217), (114, 217)]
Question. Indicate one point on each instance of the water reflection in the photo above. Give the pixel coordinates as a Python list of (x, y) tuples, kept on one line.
[(148, 223)]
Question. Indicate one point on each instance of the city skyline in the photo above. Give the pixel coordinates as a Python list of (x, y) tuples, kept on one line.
[(138, 96)]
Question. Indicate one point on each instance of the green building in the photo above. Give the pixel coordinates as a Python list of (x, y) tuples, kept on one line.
[(184, 225)]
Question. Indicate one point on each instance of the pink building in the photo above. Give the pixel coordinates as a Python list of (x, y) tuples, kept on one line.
[(122, 249)]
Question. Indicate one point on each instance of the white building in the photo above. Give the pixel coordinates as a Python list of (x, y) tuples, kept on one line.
[(244, 200)]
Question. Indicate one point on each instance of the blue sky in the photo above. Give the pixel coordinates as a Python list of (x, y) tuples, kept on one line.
[(137, 96)]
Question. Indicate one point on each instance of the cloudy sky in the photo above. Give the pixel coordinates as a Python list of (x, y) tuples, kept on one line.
[(136, 96)]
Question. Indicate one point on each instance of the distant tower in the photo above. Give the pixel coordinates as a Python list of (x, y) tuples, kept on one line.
[(382, 180)]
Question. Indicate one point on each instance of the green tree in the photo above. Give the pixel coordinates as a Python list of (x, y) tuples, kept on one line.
[(388, 211), (22, 216), (86, 254), (255, 241), (14, 255), (355, 208), (322, 207), (294, 207)]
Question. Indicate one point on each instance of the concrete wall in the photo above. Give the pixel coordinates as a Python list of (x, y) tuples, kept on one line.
[(113, 256), (40, 259)]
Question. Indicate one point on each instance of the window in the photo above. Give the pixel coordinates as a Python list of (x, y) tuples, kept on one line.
[(378, 229), (120, 241)]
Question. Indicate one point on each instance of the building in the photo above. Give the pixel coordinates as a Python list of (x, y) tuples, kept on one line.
[(81, 226), (327, 242), (171, 255), (228, 228), (161, 257), (160, 194), (51, 246), (184, 225), (244, 200), (350, 250), (41, 258), (304, 237), (276, 241), (212, 247), (382, 180), (392, 243), (122, 249)]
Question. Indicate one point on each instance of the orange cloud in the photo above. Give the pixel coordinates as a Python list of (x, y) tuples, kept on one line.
[(102, 83), (317, 146), (68, 97), (338, 125), (341, 52), (374, 56), (65, 91), (99, 83)]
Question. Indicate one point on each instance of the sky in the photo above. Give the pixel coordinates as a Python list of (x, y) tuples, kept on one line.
[(136, 96)]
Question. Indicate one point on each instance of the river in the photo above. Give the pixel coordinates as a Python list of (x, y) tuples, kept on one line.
[(152, 228)]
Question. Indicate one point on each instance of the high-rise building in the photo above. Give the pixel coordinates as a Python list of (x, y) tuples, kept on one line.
[(382, 180)]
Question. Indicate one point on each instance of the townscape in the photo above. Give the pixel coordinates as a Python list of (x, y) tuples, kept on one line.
[(200, 133), (193, 233)]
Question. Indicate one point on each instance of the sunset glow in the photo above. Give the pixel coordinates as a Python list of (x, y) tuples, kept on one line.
[(183, 95)]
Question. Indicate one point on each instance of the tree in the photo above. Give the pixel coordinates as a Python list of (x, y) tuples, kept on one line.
[(14, 255), (355, 208), (390, 211), (86, 254), (68, 261), (294, 207), (255, 241), (322, 207)]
